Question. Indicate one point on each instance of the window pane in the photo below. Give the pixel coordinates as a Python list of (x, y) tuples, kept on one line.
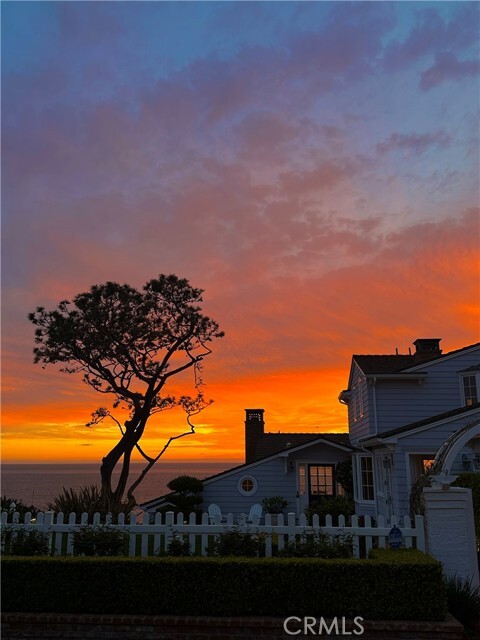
[(366, 472), (470, 390)]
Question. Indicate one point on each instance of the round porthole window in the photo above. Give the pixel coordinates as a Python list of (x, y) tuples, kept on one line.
[(247, 485)]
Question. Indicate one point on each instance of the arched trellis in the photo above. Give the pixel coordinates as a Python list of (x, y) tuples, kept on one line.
[(439, 473), (449, 451)]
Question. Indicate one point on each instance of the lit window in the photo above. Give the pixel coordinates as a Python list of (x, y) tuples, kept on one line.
[(247, 485), (321, 480), (302, 484), (470, 390), (366, 472)]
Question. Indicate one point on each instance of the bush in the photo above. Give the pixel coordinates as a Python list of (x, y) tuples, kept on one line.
[(463, 601), (100, 540), (178, 547), (234, 543), (334, 506), (89, 500), (20, 507), (396, 585), (25, 543), (186, 495), (344, 475), (274, 504), (319, 546)]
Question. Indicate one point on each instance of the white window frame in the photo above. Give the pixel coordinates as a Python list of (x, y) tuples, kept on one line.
[(242, 490), (469, 374), (358, 476)]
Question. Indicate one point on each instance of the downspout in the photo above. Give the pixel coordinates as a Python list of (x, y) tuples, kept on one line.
[(375, 424)]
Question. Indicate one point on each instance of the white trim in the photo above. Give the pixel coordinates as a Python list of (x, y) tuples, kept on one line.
[(468, 374), (358, 486), (242, 490)]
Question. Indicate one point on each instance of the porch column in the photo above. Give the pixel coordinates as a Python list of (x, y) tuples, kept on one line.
[(450, 531)]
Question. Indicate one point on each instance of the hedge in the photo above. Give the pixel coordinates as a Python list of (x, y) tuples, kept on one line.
[(391, 586)]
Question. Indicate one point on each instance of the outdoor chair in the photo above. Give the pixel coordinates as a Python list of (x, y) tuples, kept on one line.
[(214, 513), (255, 514)]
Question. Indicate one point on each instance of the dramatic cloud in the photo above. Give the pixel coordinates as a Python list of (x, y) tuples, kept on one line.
[(313, 166)]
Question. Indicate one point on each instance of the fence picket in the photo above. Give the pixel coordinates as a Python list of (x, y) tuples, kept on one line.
[(143, 531)]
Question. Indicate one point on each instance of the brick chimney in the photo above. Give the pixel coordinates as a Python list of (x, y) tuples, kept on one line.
[(254, 430), (427, 349)]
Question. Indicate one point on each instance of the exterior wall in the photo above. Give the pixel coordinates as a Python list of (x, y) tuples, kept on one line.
[(402, 402), (426, 442), (359, 427), (274, 477)]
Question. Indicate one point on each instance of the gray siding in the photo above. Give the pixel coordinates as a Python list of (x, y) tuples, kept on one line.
[(402, 402), (360, 427), (274, 478), (423, 442)]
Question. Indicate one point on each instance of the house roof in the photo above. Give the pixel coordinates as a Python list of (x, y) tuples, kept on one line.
[(272, 443), (371, 364), (281, 440), (427, 421)]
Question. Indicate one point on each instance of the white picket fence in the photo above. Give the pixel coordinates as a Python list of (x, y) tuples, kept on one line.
[(147, 537)]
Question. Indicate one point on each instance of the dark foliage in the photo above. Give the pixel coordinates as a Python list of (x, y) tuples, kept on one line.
[(318, 546), (334, 506), (20, 507), (129, 344), (234, 543), (100, 540), (230, 586), (464, 601), (89, 499), (344, 475), (24, 543)]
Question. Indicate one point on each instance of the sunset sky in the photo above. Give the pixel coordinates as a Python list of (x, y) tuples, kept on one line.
[(312, 165)]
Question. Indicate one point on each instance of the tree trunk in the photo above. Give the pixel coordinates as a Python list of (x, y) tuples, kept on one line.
[(134, 429)]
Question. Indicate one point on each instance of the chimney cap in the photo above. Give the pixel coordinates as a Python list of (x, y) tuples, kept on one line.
[(427, 344)]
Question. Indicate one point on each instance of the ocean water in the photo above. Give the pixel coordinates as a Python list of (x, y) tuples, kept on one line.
[(39, 484)]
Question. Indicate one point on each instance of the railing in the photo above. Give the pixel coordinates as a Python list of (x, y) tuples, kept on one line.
[(146, 537)]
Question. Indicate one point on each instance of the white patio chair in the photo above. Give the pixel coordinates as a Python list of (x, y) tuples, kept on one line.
[(255, 514), (214, 513)]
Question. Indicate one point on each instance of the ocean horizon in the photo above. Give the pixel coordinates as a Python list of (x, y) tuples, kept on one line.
[(38, 484)]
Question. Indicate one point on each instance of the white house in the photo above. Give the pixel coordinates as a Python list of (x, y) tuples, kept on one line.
[(401, 409), (300, 467)]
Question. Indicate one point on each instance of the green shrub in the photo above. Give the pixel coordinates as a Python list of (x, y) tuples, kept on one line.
[(186, 496), (89, 500), (344, 475), (100, 540), (234, 543), (401, 585), (334, 506), (318, 546), (20, 507), (274, 504), (178, 547), (25, 543), (463, 601)]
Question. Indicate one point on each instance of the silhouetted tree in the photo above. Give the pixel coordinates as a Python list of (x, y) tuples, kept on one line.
[(130, 343)]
